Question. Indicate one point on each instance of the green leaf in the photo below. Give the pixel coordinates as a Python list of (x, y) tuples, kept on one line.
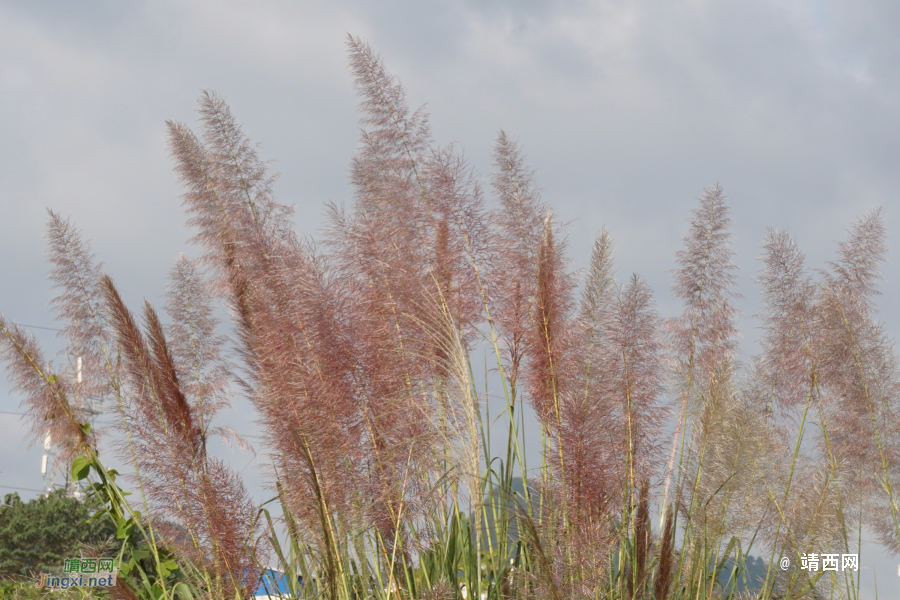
[(81, 466), (167, 567), (183, 591), (140, 554), (124, 528), (126, 568), (85, 428)]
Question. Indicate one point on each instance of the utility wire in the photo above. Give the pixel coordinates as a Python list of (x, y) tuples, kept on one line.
[(20, 489), (8, 412), (38, 327)]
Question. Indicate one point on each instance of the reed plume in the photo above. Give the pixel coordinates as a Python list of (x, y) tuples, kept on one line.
[(75, 276), (547, 335), (195, 347), (636, 369), (860, 369), (791, 344), (47, 394), (202, 495), (702, 337), (591, 450), (249, 247), (519, 232), (666, 564)]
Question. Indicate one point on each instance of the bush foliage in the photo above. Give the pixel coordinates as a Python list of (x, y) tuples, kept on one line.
[(39, 534)]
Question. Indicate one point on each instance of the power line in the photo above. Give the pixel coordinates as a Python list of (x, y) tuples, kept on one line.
[(9, 412), (21, 489), (38, 327)]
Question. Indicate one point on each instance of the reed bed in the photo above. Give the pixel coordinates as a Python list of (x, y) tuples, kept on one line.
[(665, 461)]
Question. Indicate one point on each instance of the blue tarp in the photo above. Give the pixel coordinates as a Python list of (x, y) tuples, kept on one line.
[(272, 582)]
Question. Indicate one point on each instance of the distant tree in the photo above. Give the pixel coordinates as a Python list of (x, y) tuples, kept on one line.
[(41, 533)]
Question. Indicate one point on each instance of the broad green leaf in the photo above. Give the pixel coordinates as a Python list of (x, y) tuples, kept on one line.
[(167, 567), (81, 466), (124, 528)]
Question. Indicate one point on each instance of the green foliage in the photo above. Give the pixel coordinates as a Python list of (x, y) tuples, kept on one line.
[(18, 589), (39, 534), (23, 589)]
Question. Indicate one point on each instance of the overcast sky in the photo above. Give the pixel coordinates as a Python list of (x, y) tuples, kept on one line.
[(626, 109)]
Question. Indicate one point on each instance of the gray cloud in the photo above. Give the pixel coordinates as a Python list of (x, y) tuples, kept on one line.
[(626, 109)]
